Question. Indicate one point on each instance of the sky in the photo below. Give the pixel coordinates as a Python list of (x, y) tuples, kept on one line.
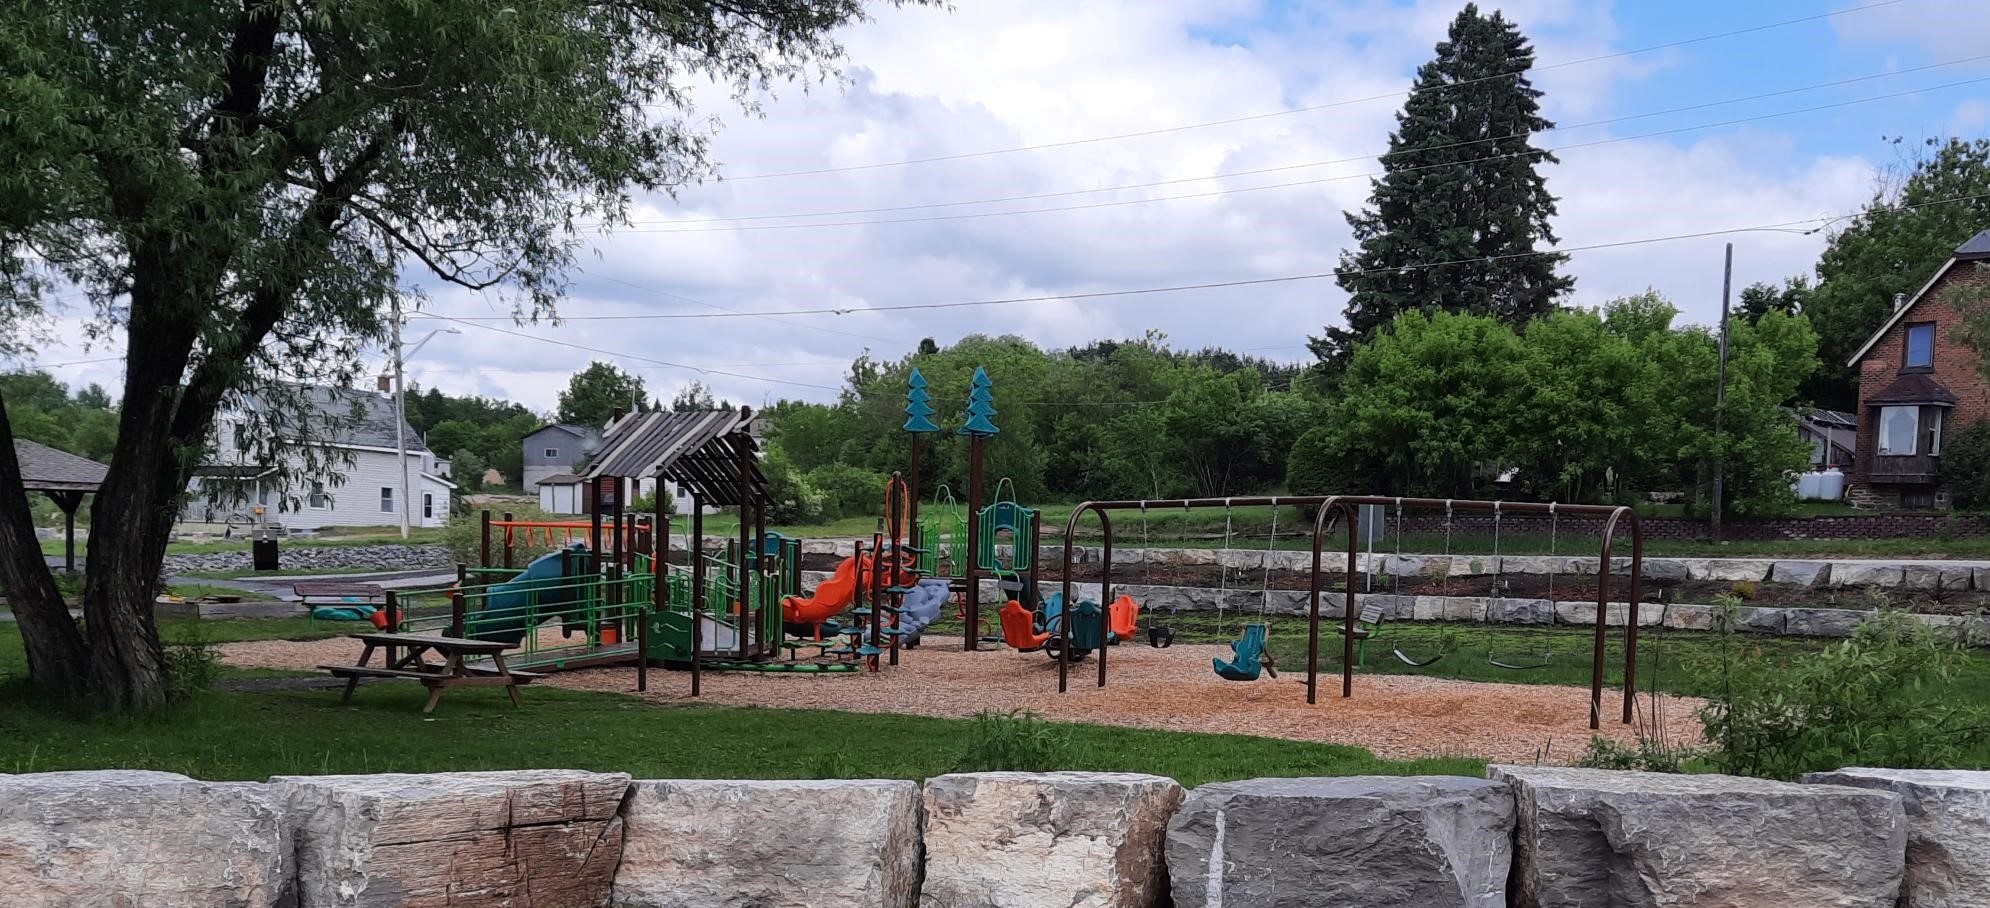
[(1310, 87)]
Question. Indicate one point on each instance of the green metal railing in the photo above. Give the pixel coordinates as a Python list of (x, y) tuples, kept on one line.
[(592, 616)]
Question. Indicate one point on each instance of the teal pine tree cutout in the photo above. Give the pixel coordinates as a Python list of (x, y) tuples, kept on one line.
[(980, 406), (918, 404)]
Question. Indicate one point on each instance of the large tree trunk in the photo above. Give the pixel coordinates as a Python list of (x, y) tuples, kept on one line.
[(133, 512), (57, 662)]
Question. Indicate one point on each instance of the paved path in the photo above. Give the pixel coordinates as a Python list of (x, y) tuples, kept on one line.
[(279, 587)]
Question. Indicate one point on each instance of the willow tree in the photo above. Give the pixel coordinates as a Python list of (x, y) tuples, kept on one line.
[(237, 186)]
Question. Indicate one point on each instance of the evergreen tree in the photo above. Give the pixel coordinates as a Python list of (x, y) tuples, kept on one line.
[(1459, 186)]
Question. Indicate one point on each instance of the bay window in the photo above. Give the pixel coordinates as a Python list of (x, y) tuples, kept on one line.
[(1899, 431)]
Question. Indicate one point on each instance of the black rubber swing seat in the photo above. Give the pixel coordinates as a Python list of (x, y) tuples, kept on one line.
[(1413, 663), (1495, 662)]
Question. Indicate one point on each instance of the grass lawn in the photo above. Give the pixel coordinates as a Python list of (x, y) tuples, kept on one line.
[(241, 735)]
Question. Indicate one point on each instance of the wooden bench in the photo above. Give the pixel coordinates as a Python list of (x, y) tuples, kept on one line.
[(410, 663)]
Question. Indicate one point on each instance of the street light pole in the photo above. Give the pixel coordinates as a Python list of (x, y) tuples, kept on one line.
[(401, 407), (400, 419)]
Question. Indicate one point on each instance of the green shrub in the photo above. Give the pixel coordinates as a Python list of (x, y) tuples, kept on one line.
[(847, 491), (1881, 698), (1965, 466), (192, 665), (1320, 465), (1643, 755), (792, 498), (1015, 741)]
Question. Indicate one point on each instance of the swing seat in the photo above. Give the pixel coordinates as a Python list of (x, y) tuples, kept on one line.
[(1124, 617), (1247, 661), (1019, 629)]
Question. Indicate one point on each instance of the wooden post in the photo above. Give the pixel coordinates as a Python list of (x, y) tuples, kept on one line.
[(508, 540), (743, 462), (484, 546), (891, 510), (393, 624), (976, 455), (458, 613), (621, 519), (594, 522), (696, 552)]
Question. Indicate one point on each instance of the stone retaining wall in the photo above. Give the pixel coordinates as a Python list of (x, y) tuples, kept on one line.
[(1526, 837)]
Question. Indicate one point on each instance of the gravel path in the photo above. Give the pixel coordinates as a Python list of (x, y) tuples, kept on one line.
[(1395, 716)]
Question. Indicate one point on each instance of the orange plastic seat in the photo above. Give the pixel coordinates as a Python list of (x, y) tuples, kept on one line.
[(1019, 628), (1124, 617)]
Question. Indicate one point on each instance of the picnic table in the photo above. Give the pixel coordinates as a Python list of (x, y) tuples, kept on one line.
[(408, 659)]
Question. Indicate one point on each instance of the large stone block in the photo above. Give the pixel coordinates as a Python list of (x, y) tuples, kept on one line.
[(127, 839), (1805, 574), (1670, 569), (1449, 608), (1592, 837), (1052, 840), (547, 838), (1737, 570), (1583, 614), (1521, 611), (1689, 617), (1822, 622), (1948, 830), (1863, 573), (1373, 842), (1394, 608), (724, 844)]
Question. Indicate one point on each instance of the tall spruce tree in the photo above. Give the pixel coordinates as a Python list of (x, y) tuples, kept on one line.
[(1459, 186)]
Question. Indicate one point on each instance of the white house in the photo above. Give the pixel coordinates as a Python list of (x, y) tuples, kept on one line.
[(356, 427)]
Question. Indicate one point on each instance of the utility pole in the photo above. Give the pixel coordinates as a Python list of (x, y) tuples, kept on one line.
[(1720, 400), (400, 419)]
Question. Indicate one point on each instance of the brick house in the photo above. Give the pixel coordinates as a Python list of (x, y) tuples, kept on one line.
[(1916, 381)]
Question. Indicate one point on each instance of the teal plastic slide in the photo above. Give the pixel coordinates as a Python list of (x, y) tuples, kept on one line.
[(508, 611)]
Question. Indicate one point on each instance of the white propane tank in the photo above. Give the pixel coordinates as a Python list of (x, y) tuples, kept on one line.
[(1831, 484), (1807, 485)]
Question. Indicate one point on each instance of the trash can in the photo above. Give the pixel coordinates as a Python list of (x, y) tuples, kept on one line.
[(262, 547)]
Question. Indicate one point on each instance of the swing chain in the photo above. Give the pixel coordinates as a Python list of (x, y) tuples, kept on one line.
[(1270, 546)]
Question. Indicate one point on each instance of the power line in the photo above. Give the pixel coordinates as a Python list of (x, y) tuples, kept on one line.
[(882, 340), (1311, 164), (646, 359), (1316, 107), (1318, 180), (1293, 278)]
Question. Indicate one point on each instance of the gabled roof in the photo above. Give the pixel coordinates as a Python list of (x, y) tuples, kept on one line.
[(577, 431), (45, 469), (344, 417), (561, 479), (701, 451), (1976, 248)]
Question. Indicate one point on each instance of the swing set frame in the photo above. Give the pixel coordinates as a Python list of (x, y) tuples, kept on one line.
[(1347, 508)]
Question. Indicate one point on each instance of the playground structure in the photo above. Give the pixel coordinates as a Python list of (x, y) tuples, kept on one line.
[(610, 595), (1346, 511)]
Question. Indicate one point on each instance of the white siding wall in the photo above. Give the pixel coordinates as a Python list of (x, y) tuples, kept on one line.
[(560, 499)]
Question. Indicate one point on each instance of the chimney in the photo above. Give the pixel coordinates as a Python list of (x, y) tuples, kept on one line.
[(1899, 301)]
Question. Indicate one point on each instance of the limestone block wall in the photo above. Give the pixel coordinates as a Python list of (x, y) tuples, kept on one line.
[(1525, 837)]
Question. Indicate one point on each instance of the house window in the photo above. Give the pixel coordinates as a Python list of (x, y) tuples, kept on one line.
[(318, 499), (1921, 346), (1934, 436), (552, 453), (427, 505), (1899, 430), (386, 499)]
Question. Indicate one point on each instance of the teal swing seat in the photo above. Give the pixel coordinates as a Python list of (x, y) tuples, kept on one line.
[(1248, 659)]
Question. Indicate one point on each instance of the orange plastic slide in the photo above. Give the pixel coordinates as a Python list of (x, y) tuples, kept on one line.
[(838, 592), (830, 599)]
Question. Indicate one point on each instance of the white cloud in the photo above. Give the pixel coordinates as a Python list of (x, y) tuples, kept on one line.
[(926, 83)]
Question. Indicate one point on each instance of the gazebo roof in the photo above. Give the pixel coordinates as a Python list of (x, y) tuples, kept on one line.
[(45, 469)]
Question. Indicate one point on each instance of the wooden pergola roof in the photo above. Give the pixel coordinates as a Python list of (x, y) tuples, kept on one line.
[(703, 452)]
